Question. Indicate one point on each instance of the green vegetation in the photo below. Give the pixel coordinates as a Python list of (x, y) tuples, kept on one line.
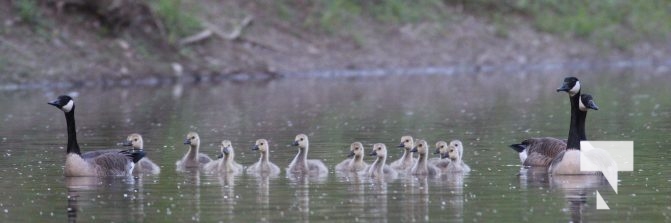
[(28, 10), (612, 23), (179, 21)]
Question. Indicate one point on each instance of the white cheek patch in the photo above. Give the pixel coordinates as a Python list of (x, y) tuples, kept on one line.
[(581, 105), (523, 156), (68, 107), (575, 88)]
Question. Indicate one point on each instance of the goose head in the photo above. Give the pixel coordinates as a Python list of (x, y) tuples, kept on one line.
[(571, 85), (406, 142), (586, 102), (134, 140), (261, 145), (379, 150), (441, 148), (301, 141), (421, 148), (454, 150), (64, 103), (192, 139), (226, 149), (356, 149)]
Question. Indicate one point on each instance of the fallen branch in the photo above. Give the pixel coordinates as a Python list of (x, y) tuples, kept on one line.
[(211, 29)]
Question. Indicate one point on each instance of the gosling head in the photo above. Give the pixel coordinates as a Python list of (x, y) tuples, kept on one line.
[(454, 151), (571, 85), (64, 103), (356, 149), (406, 142), (134, 140), (192, 139), (226, 149), (587, 102), (261, 145), (441, 148), (379, 150), (421, 147), (301, 141)]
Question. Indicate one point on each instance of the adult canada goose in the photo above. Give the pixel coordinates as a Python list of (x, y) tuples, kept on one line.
[(422, 167), (379, 168), (355, 161), (407, 160), (263, 166), (442, 161), (144, 165), (568, 162), (192, 158), (454, 153), (301, 164), (105, 164), (225, 164)]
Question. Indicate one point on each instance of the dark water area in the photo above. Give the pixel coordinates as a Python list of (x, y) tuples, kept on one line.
[(485, 112)]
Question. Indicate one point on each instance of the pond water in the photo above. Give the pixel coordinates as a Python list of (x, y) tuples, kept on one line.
[(486, 112)]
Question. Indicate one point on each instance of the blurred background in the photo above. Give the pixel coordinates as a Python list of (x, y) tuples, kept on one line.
[(108, 42)]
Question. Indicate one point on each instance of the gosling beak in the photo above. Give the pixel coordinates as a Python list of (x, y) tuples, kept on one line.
[(400, 145), (414, 150), (295, 143), (351, 154), (256, 147), (564, 87), (226, 150), (221, 155), (373, 153), (437, 151), (127, 143), (443, 156), (187, 142), (591, 105)]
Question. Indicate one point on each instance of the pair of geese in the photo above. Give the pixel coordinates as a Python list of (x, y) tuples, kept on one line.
[(449, 161), (561, 157)]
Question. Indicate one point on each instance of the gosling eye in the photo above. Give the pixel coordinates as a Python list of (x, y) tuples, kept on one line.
[(456, 144), (356, 148), (193, 137), (420, 145), (442, 147), (378, 148), (135, 140), (261, 144), (407, 140), (301, 139)]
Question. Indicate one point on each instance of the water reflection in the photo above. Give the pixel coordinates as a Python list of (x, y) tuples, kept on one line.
[(378, 208), (452, 203), (301, 202), (88, 193), (263, 198), (575, 189)]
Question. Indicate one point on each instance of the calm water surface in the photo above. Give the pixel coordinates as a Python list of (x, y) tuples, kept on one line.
[(486, 112)]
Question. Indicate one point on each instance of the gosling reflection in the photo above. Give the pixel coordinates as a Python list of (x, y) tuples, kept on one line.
[(263, 198), (228, 198), (415, 199), (301, 203), (452, 203), (378, 200)]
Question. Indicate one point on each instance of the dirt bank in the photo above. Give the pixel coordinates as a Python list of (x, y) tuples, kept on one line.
[(68, 44)]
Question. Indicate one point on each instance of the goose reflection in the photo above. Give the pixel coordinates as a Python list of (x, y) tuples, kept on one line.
[(83, 193), (575, 189)]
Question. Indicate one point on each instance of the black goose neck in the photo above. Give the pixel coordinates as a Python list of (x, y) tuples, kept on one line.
[(73, 146), (577, 128)]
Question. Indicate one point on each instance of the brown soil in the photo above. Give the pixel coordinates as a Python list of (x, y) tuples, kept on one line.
[(75, 46)]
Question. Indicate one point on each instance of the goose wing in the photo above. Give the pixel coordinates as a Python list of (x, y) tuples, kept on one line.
[(542, 150), (113, 164), (92, 154)]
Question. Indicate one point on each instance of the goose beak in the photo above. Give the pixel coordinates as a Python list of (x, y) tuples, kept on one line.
[(564, 87), (127, 143), (400, 145), (373, 153), (54, 103), (591, 105), (437, 151), (295, 143), (187, 142), (351, 154), (414, 150)]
